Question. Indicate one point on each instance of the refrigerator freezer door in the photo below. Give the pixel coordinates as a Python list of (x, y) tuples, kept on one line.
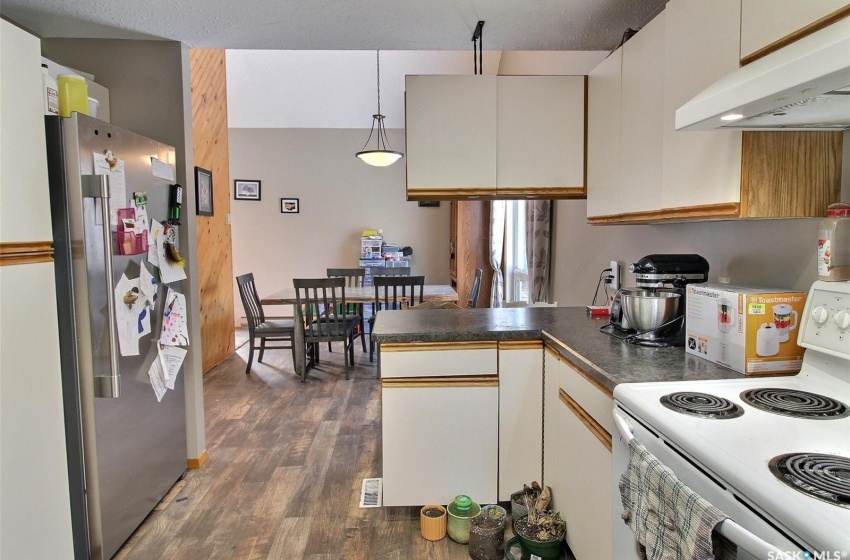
[(134, 446)]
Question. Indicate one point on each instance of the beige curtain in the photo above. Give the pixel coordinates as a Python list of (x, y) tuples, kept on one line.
[(538, 220), (497, 246)]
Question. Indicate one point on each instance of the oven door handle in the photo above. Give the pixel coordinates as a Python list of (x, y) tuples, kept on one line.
[(747, 541), (623, 427), (728, 528)]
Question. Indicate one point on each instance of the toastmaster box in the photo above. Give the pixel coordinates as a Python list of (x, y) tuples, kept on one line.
[(750, 330)]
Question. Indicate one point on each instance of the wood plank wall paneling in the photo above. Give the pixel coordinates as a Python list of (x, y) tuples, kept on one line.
[(215, 259), (782, 179), (472, 249)]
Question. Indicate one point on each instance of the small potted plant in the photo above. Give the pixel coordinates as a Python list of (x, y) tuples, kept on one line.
[(533, 492), (432, 522), (540, 533), (487, 533)]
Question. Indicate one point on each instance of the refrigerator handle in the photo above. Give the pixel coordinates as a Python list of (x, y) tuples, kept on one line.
[(106, 387)]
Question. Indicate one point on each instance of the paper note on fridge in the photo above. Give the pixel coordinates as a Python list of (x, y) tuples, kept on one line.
[(147, 283), (157, 377), (117, 190), (174, 329), (161, 169), (101, 166), (171, 358), (129, 303), (168, 271), (156, 230)]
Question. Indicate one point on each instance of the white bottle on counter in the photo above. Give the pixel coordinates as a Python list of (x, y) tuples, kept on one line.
[(834, 244), (50, 92)]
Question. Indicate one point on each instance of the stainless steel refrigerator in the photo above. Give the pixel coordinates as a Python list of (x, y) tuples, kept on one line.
[(125, 448)]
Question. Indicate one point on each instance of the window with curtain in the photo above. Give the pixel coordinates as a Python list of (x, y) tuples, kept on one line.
[(516, 259)]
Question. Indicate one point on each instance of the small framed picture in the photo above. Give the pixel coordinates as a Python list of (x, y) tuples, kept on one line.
[(289, 206), (246, 190), (203, 191)]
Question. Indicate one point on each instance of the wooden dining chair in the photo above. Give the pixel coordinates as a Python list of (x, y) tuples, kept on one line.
[(258, 327), (394, 292), (354, 278), (476, 288), (320, 306), (391, 271)]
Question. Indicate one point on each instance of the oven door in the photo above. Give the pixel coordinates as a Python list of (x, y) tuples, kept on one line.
[(757, 539)]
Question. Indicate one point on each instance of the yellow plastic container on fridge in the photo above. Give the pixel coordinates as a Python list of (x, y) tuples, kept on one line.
[(73, 95)]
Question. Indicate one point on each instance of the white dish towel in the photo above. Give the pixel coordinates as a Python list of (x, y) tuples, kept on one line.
[(670, 521)]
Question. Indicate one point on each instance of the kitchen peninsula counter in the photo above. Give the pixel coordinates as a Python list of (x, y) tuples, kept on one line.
[(569, 330)]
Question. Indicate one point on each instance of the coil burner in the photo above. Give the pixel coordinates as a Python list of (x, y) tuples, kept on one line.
[(825, 477), (702, 405), (798, 404)]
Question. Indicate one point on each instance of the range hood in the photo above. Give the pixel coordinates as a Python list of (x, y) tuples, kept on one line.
[(803, 86)]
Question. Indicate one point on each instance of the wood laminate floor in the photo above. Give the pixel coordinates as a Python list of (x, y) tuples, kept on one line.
[(283, 479)]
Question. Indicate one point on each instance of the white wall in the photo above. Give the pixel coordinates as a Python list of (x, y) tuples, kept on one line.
[(779, 253), (340, 196), (35, 511)]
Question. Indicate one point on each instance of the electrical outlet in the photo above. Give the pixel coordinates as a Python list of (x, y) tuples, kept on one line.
[(615, 272)]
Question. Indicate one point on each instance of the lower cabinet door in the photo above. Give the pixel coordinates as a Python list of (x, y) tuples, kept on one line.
[(520, 415), (584, 491), (440, 439)]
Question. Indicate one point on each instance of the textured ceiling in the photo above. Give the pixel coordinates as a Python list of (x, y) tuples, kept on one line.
[(520, 25)]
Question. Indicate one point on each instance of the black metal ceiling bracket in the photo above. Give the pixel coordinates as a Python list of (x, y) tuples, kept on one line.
[(478, 63), (477, 33)]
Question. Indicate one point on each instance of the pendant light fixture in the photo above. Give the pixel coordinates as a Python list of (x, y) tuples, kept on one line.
[(384, 155)]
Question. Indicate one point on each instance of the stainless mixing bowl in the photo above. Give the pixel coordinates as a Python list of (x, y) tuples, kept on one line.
[(646, 310)]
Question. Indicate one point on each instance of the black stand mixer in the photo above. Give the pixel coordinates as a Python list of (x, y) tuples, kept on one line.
[(654, 313)]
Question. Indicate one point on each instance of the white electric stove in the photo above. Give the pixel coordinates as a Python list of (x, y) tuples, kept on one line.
[(773, 453)]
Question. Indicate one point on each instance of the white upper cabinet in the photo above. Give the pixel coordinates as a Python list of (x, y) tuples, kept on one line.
[(698, 168), (641, 118), (658, 174), (603, 136), (540, 132), (624, 136), (763, 22), (451, 132), (495, 137), (25, 212)]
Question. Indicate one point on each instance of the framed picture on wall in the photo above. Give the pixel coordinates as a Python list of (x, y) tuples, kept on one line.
[(246, 189), (203, 191), (289, 206)]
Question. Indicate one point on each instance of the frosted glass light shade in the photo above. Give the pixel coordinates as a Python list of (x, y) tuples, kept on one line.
[(379, 158)]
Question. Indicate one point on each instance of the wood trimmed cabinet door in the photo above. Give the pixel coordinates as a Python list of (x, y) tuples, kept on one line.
[(767, 25), (440, 422), (625, 116), (581, 489), (541, 131), (450, 131), (604, 84), (495, 137), (520, 415)]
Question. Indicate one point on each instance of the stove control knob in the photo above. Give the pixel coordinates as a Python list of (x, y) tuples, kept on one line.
[(820, 315), (842, 319)]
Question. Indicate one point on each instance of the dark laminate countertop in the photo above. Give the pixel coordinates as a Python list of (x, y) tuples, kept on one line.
[(569, 329)]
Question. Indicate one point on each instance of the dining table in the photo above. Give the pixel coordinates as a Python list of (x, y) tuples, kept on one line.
[(437, 293)]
